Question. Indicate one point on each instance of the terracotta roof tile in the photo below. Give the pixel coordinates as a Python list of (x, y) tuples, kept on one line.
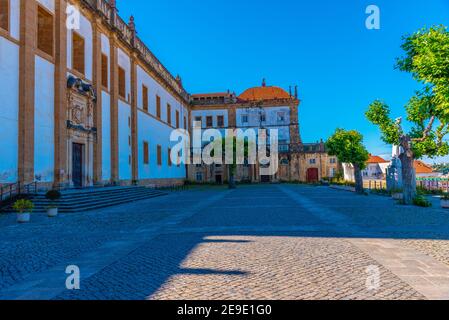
[(264, 93), (421, 167)]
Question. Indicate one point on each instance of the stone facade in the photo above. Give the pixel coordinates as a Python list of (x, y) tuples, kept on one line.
[(74, 114)]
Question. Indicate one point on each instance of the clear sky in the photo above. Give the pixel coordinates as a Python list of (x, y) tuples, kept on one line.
[(322, 46)]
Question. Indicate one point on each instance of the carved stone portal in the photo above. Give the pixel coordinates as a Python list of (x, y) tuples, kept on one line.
[(81, 133)]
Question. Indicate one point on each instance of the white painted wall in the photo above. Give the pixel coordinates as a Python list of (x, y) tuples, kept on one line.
[(86, 32), (124, 147), (156, 133), (48, 4), (155, 89), (44, 120), (15, 19), (9, 106), (271, 115)]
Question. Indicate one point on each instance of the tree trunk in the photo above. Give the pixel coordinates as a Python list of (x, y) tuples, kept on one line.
[(231, 178), (408, 176), (358, 179)]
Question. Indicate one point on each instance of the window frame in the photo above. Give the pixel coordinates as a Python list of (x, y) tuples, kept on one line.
[(119, 73), (169, 114), (8, 18), (211, 123), (159, 155), (158, 107), (220, 121), (81, 37), (146, 153), (177, 119), (40, 51), (145, 98), (104, 78)]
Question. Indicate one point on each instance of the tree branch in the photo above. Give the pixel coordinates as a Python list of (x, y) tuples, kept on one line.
[(426, 131)]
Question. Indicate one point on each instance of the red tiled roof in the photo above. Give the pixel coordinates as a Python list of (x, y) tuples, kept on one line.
[(376, 159), (421, 167), (264, 93)]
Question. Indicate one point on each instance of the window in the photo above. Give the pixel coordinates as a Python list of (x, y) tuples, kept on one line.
[(104, 71), (245, 118), (281, 117), (169, 157), (146, 153), (263, 117), (4, 15), (159, 155), (122, 82), (199, 176), (200, 120), (168, 113), (331, 172), (44, 31), (312, 161), (185, 123), (333, 160), (78, 54), (177, 119), (220, 121), (158, 107), (144, 98), (209, 121)]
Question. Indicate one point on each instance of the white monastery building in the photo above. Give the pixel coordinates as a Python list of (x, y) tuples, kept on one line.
[(93, 106)]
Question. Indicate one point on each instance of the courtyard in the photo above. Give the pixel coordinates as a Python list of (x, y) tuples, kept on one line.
[(256, 242)]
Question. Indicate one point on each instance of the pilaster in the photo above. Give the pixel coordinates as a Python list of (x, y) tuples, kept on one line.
[(60, 107), (28, 26), (97, 83), (114, 110)]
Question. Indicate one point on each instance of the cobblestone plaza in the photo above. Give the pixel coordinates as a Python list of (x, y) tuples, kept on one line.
[(256, 242)]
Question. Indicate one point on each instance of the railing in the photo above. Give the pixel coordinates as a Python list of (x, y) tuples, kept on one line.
[(128, 34), (433, 184), (375, 184), (16, 189)]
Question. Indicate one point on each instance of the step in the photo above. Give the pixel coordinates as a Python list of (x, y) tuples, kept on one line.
[(93, 198)]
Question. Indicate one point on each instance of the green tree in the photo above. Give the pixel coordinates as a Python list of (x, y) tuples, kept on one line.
[(232, 167), (348, 147), (427, 59)]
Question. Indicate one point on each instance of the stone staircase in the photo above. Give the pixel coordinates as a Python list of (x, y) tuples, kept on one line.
[(79, 200)]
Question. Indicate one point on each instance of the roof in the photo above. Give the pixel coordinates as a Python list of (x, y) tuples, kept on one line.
[(376, 159), (422, 168), (264, 93)]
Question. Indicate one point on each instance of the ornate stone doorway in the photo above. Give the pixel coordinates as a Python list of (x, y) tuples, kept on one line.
[(81, 133)]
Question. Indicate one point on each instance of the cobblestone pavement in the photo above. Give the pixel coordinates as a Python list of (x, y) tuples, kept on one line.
[(256, 242)]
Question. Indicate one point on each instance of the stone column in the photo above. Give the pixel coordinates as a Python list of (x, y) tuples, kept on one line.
[(134, 114), (60, 111), (114, 110), (295, 137), (28, 25), (97, 83)]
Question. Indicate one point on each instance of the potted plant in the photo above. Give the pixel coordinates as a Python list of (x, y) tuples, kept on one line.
[(445, 201), (53, 196), (397, 194), (24, 208)]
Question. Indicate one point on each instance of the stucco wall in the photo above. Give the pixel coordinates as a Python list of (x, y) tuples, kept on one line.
[(15, 19), (9, 105), (86, 32), (155, 133), (44, 120)]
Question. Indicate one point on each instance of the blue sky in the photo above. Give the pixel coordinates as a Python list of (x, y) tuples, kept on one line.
[(322, 46)]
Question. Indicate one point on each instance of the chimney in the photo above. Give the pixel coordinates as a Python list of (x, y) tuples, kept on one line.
[(264, 83)]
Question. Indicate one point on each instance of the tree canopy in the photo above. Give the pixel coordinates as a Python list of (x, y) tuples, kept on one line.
[(348, 147), (427, 59)]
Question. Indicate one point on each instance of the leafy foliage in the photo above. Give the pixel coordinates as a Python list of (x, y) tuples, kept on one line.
[(421, 201), (348, 147), (23, 205)]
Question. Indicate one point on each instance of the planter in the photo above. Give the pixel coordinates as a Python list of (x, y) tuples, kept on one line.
[(23, 217), (52, 212), (444, 204), (397, 196)]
